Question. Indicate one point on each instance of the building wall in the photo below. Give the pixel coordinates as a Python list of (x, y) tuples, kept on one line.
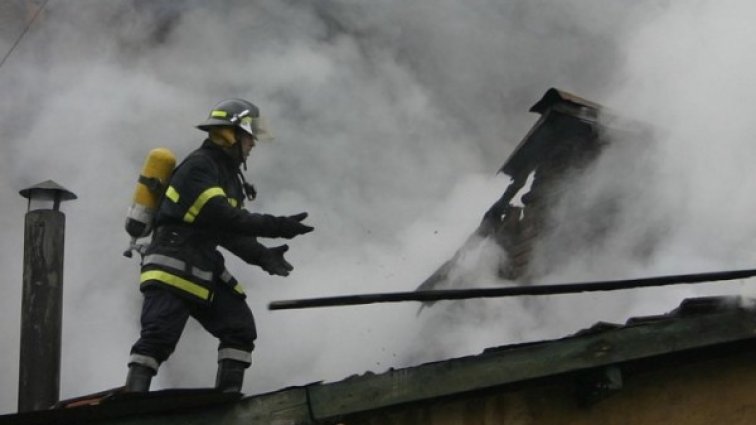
[(718, 390)]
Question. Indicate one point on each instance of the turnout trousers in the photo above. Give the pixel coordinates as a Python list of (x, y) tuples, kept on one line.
[(164, 315)]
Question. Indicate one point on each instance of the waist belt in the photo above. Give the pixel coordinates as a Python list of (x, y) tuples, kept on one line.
[(182, 235)]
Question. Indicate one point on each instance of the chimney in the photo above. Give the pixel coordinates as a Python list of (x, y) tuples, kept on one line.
[(41, 308)]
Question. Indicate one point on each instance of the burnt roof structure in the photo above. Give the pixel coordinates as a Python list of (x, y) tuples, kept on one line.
[(568, 137)]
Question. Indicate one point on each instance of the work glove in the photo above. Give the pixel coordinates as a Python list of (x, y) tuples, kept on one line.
[(272, 261), (291, 226)]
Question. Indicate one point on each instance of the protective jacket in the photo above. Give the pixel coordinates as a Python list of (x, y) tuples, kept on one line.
[(202, 208)]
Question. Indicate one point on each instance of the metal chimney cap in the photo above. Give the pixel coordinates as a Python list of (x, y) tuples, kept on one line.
[(47, 190)]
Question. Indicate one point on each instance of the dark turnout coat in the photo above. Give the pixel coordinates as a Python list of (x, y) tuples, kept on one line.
[(202, 208)]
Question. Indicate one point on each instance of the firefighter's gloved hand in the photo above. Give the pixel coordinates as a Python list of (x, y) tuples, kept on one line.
[(273, 261), (291, 226)]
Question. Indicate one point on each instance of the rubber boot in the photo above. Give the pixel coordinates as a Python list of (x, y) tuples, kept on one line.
[(139, 378), (230, 376)]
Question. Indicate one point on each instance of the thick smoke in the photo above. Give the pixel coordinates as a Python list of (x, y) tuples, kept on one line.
[(391, 118), (683, 201), (677, 202)]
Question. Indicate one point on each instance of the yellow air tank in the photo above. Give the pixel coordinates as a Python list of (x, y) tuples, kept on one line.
[(153, 179)]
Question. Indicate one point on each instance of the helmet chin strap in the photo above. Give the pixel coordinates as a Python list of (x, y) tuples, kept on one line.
[(235, 150), (242, 159), (239, 149)]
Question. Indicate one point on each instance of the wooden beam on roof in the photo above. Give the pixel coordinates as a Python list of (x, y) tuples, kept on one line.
[(511, 291)]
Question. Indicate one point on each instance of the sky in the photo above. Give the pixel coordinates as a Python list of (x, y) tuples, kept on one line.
[(391, 119)]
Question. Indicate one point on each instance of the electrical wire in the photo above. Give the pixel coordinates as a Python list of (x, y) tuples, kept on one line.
[(23, 33)]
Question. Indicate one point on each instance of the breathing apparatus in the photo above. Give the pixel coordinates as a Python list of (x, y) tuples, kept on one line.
[(151, 185)]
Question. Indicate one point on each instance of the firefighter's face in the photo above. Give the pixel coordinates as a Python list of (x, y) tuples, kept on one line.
[(247, 143)]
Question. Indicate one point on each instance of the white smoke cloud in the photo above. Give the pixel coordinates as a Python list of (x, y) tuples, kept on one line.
[(683, 203), (390, 118), (683, 76)]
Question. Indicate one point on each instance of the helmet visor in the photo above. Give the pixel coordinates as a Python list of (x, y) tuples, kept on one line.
[(257, 127)]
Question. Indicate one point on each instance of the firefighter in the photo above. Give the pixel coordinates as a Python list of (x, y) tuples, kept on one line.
[(183, 273)]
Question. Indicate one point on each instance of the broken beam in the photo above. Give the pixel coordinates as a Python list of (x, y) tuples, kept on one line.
[(511, 291)]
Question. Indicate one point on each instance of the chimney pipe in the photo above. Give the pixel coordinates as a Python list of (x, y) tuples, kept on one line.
[(41, 308)]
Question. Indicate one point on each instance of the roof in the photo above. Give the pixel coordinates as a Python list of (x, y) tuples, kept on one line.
[(696, 324), (563, 115)]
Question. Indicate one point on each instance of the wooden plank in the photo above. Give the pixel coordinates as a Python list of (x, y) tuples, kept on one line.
[(513, 291), (285, 407)]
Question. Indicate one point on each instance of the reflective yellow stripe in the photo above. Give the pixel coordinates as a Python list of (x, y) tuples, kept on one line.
[(219, 114), (205, 196), (233, 202), (175, 281), (238, 288), (172, 194)]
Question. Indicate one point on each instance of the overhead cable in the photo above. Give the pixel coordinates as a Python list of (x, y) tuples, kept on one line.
[(23, 33)]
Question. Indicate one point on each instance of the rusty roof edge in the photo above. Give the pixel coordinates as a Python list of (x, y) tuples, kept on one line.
[(529, 361)]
